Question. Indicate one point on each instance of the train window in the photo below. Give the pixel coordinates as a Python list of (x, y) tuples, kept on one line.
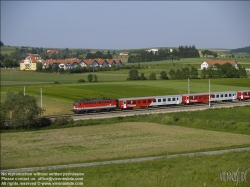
[(154, 100), (200, 97), (191, 97), (217, 96), (159, 100), (144, 101), (177, 98), (133, 102), (187, 97), (221, 95), (124, 102), (204, 96), (230, 95), (225, 95), (149, 100), (248, 93), (164, 100), (213, 96), (169, 99), (195, 97), (139, 101), (245, 93), (173, 99)]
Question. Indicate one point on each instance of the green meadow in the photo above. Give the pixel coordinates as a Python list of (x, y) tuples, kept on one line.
[(58, 98)]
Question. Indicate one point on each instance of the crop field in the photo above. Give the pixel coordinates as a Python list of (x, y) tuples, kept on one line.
[(106, 142)]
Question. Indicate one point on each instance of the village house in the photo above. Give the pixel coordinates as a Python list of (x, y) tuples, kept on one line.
[(30, 62), (211, 63), (72, 63)]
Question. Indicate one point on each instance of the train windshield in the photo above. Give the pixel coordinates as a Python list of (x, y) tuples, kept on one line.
[(75, 103)]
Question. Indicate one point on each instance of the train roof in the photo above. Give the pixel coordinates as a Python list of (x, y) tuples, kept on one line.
[(93, 99), (206, 93), (149, 97)]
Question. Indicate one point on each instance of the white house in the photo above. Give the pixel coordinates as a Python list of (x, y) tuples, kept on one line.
[(209, 63), (153, 50)]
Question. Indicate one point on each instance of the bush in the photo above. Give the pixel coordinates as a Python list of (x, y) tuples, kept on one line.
[(81, 80), (56, 82), (152, 76), (43, 122), (63, 120)]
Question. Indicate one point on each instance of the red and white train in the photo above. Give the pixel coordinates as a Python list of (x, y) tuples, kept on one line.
[(106, 104)]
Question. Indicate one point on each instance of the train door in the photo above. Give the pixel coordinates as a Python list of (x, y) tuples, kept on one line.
[(124, 104), (187, 100), (242, 95), (177, 101)]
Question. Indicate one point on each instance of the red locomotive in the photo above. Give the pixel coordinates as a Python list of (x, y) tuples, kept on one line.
[(86, 105)]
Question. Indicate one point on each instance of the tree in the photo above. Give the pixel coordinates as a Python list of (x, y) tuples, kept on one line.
[(193, 73), (90, 77), (21, 110), (171, 57), (152, 76), (8, 63), (242, 72), (163, 75), (142, 76), (39, 67), (133, 74), (172, 74), (95, 78), (203, 73), (1, 43)]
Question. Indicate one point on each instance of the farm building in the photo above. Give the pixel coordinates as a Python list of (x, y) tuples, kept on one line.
[(30, 62), (153, 50), (210, 63), (123, 54), (52, 51)]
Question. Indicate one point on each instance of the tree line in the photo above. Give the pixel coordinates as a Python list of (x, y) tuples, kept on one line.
[(182, 73), (224, 71), (208, 52), (241, 50), (218, 71), (163, 54)]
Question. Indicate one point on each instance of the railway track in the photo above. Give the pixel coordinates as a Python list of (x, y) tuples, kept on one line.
[(151, 110)]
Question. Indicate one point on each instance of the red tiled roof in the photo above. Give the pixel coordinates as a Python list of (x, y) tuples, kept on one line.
[(52, 51), (212, 62)]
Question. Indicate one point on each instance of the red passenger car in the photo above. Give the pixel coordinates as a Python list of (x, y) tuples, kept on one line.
[(129, 103), (243, 95), (195, 98), (86, 105)]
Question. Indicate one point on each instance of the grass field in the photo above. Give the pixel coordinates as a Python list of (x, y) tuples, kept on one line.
[(58, 98), (182, 171), (106, 142)]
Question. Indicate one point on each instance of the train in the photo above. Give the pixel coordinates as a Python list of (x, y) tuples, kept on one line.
[(108, 104)]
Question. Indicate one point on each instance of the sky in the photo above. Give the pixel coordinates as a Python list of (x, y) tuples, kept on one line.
[(125, 24)]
